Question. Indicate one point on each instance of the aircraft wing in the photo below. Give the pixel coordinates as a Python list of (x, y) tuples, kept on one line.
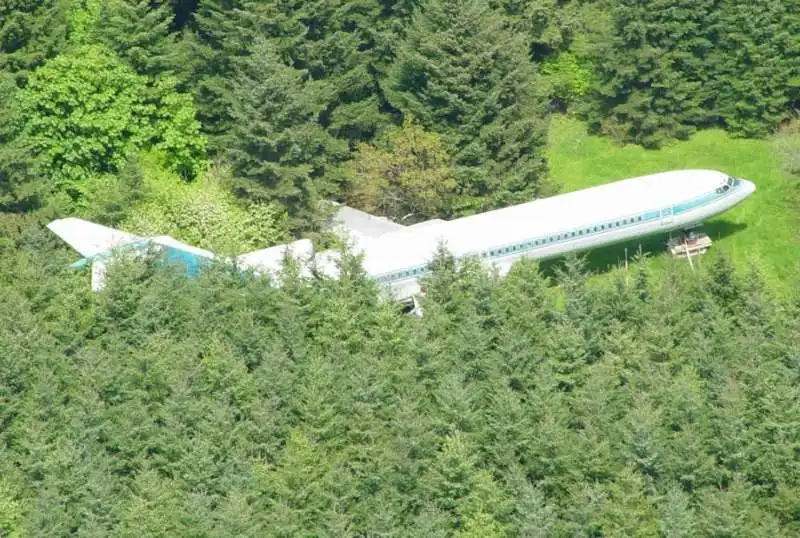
[(89, 238)]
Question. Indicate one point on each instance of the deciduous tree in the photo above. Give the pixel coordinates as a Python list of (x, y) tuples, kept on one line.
[(407, 175)]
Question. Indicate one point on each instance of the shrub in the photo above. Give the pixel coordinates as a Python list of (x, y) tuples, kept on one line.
[(203, 212)]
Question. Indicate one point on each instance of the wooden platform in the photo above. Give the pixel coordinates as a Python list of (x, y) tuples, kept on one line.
[(689, 244)]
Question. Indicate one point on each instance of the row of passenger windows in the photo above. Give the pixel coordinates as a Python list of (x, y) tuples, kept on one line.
[(559, 237), (523, 246), (552, 239)]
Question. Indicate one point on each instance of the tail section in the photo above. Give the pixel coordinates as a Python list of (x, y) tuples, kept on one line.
[(89, 238)]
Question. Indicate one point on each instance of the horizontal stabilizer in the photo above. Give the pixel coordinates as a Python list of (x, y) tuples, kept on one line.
[(87, 237)]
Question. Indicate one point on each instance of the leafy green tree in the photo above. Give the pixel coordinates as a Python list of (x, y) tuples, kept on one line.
[(407, 176), (82, 21), (570, 80), (465, 76), (83, 111), (11, 513), (278, 147)]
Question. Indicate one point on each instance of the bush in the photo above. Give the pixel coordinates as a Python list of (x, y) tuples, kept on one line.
[(568, 79), (203, 213)]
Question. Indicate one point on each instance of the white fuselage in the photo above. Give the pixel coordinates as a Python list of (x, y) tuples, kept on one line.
[(550, 227)]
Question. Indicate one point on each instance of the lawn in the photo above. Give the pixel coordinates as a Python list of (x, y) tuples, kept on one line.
[(763, 229)]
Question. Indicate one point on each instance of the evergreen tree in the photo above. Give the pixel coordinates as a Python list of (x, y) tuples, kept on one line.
[(462, 74), (756, 65), (219, 38), (278, 146), (30, 34), (138, 31), (342, 42), (654, 72)]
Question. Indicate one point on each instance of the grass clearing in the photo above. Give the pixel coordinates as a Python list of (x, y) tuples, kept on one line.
[(764, 229)]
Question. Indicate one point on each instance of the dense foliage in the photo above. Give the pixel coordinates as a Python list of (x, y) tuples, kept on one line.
[(461, 73), (81, 111), (289, 93), (534, 405), (222, 406), (407, 175), (671, 66)]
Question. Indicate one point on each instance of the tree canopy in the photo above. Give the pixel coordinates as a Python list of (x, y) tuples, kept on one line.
[(650, 401), (222, 405)]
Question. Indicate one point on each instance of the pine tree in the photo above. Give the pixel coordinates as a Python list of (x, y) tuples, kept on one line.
[(220, 36), (278, 146), (462, 74), (344, 42), (138, 31), (342, 45), (756, 65), (654, 72), (31, 33)]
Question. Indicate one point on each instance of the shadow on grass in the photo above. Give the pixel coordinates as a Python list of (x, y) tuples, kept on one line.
[(609, 257)]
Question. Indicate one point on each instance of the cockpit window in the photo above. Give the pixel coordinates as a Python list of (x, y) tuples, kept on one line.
[(729, 182)]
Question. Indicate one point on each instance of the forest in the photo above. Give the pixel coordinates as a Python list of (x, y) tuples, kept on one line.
[(649, 400)]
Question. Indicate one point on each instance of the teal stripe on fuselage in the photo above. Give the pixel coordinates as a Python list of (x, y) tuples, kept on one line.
[(192, 262), (537, 243)]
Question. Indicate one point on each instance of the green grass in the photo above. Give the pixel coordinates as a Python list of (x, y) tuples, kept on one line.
[(764, 229)]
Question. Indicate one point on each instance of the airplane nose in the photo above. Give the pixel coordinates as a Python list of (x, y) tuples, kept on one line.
[(750, 187)]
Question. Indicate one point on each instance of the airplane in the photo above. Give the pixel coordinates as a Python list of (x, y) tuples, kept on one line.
[(398, 256)]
